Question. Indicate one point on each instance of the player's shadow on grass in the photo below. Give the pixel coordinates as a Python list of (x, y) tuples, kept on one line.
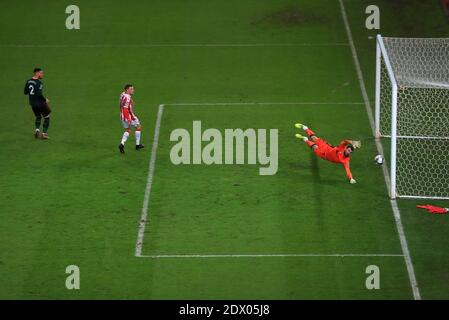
[(317, 188), (309, 172)]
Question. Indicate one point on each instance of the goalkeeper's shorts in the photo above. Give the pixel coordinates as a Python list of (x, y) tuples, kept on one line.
[(323, 148), (321, 143)]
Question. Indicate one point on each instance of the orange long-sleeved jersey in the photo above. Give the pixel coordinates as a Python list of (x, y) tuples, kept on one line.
[(334, 154)]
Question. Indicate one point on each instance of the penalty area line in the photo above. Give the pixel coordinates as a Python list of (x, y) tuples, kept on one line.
[(146, 199), (176, 45), (144, 213), (146, 202), (287, 255)]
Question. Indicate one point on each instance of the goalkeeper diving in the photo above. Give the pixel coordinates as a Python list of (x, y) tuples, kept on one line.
[(324, 150)]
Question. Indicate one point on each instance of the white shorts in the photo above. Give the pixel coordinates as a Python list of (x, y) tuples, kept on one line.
[(134, 123)]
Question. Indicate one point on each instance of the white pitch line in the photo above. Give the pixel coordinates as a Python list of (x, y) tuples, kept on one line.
[(260, 103), (174, 45), (394, 205), (287, 255), (146, 199)]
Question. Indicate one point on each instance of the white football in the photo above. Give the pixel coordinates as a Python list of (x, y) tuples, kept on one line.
[(379, 160)]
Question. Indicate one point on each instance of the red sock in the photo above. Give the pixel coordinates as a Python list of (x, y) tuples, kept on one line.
[(309, 143), (310, 132)]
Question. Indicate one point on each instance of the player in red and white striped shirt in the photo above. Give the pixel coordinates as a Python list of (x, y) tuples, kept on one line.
[(128, 118)]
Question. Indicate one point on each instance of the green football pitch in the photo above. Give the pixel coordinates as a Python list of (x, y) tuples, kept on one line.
[(211, 231)]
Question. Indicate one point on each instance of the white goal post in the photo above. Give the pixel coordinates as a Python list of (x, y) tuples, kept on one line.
[(412, 109)]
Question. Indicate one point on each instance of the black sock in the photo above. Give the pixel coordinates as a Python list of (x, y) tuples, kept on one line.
[(46, 124), (37, 123)]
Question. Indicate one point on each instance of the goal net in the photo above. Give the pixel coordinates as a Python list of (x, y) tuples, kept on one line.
[(412, 108)]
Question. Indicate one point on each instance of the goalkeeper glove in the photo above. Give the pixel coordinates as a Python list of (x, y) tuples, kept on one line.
[(434, 209), (357, 144)]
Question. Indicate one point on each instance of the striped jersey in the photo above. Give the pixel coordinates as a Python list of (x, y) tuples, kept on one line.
[(126, 107)]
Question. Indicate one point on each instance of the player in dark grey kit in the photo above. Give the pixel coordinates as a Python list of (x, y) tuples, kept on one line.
[(39, 104)]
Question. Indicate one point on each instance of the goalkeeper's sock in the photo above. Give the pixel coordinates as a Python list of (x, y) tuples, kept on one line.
[(137, 137), (46, 124), (309, 132), (125, 137)]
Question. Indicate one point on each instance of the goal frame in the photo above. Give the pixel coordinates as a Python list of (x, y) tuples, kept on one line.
[(382, 53)]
